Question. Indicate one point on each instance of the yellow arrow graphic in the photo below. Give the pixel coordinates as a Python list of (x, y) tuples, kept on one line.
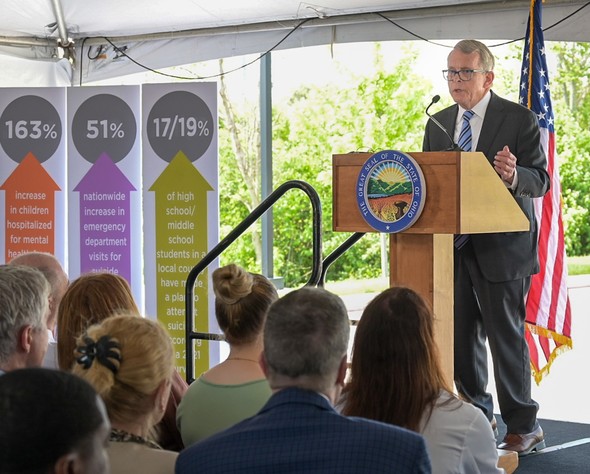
[(181, 242)]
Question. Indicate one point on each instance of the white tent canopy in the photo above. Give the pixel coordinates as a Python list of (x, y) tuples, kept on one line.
[(71, 42)]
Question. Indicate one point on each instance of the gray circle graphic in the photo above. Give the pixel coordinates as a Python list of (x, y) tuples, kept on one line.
[(180, 121), (104, 123), (30, 124)]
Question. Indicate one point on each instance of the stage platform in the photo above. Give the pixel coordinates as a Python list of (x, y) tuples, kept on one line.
[(567, 451)]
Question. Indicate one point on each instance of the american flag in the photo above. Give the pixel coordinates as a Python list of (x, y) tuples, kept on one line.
[(548, 313)]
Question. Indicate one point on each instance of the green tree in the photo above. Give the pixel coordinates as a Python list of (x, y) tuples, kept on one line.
[(383, 111), (573, 83), (239, 164), (571, 97), (574, 153)]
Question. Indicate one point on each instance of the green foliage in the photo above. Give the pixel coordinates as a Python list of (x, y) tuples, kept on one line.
[(383, 111), (573, 84), (574, 153), (233, 204), (571, 97), (507, 70)]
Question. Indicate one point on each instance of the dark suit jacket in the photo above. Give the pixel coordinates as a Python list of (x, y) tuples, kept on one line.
[(508, 255), (299, 431)]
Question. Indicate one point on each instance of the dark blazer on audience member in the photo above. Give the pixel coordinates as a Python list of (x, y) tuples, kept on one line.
[(298, 431)]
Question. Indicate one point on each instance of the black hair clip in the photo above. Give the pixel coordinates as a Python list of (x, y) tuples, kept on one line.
[(102, 350)]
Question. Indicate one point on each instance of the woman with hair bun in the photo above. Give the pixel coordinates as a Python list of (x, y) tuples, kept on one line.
[(236, 388), (134, 384)]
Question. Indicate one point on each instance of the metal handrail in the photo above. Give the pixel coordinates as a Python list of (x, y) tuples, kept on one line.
[(337, 253), (264, 206)]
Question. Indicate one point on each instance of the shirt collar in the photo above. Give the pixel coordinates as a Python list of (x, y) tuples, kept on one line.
[(480, 108)]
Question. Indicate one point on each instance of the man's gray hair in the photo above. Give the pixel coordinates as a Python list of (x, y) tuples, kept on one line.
[(306, 334), (486, 58), (24, 300)]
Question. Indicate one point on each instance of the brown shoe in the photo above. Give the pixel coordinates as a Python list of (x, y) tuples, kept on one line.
[(524, 444)]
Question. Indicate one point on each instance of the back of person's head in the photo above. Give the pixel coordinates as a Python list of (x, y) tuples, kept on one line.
[(90, 299), (395, 371), (51, 268), (126, 359), (51, 421), (24, 303), (306, 336), (241, 302), (486, 57)]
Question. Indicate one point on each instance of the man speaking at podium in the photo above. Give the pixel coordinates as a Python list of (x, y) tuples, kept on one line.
[(493, 271)]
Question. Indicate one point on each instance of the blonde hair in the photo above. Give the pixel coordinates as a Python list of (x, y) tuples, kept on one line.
[(139, 359), (89, 299), (241, 302)]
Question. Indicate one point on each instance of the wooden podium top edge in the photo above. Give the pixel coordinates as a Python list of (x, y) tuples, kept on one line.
[(423, 158)]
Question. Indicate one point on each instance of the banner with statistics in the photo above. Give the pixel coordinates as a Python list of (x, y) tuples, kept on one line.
[(180, 182), (104, 183), (32, 171)]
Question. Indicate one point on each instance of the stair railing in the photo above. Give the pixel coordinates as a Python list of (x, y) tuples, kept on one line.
[(265, 205), (337, 253)]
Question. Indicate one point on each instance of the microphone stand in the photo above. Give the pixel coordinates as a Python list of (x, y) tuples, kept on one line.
[(454, 146)]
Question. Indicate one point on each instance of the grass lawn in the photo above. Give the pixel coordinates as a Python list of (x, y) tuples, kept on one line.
[(578, 265), (349, 287), (575, 265)]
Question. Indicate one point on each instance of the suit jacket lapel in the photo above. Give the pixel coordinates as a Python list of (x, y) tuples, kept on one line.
[(448, 118), (491, 124)]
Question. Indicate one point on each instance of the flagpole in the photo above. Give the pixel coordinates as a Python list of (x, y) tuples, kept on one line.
[(531, 52), (548, 318)]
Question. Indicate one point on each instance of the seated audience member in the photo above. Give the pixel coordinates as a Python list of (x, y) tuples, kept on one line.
[(90, 299), (58, 282), (52, 422), (396, 378), (298, 430), (236, 388), (24, 308), (129, 361)]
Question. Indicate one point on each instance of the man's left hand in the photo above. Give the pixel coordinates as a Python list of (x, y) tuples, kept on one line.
[(505, 164)]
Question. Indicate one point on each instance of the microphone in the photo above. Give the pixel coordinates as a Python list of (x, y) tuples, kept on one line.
[(454, 146)]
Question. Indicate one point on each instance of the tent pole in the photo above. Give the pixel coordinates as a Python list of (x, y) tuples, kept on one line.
[(266, 162), (61, 23)]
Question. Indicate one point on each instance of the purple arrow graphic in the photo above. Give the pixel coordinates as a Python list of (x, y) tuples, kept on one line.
[(105, 220)]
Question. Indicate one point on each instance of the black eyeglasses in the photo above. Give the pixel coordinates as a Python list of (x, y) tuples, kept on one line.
[(462, 74)]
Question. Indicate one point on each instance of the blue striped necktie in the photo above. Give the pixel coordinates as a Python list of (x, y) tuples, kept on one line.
[(465, 135), (465, 144)]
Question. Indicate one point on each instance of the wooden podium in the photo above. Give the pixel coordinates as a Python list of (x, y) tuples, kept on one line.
[(464, 195)]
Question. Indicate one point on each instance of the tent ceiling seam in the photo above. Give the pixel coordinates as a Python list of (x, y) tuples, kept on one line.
[(332, 21), (329, 21), (278, 25)]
